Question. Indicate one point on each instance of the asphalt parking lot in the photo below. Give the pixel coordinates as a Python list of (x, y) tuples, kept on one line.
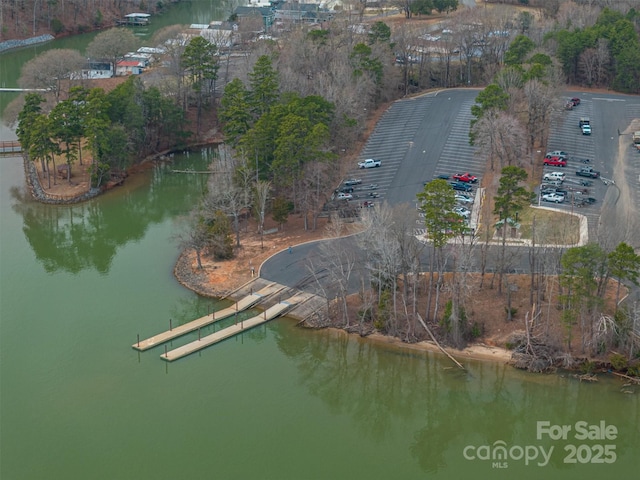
[(418, 139), (605, 148), (421, 138)]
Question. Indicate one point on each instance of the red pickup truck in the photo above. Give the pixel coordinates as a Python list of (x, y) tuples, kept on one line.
[(555, 161), (465, 177)]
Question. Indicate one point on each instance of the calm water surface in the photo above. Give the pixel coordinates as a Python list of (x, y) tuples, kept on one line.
[(79, 283)]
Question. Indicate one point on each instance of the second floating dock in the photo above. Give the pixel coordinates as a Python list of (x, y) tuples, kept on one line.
[(247, 302), (269, 314)]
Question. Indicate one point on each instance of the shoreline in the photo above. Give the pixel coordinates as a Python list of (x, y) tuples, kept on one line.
[(475, 351), (198, 284)]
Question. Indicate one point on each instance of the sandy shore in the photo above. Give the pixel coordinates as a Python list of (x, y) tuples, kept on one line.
[(474, 352)]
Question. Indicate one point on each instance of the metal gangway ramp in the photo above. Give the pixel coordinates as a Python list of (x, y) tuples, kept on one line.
[(243, 304), (269, 314)]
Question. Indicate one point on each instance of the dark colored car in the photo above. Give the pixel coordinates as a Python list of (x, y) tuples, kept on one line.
[(575, 101), (463, 187), (352, 181)]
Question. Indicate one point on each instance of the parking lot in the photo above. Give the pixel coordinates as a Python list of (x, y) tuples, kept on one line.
[(422, 138), (417, 140)]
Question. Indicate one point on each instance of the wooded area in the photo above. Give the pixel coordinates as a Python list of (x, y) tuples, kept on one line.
[(21, 19), (292, 108)]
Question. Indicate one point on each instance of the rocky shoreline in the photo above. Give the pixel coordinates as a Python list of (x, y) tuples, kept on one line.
[(11, 44)]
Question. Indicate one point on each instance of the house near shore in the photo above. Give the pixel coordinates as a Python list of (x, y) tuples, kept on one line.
[(94, 70), (221, 34), (296, 12), (261, 14), (134, 20), (128, 67)]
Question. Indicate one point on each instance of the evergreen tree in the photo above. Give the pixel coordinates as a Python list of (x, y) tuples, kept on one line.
[(264, 86), (200, 59), (234, 111)]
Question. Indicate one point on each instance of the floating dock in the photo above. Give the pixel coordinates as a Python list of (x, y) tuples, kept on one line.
[(269, 314), (243, 304), (11, 146)]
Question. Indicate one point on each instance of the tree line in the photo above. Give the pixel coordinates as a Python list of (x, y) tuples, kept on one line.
[(119, 128)]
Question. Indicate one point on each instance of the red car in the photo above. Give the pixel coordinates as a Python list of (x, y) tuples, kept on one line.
[(575, 101), (465, 177), (555, 161)]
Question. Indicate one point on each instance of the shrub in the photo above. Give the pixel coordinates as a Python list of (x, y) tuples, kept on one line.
[(588, 367), (57, 26), (618, 361), (477, 329)]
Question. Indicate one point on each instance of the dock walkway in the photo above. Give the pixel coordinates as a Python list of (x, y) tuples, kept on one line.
[(10, 146), (269, 314), (243, 304)]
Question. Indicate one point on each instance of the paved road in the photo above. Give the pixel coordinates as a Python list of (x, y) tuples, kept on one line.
[(420, 138)]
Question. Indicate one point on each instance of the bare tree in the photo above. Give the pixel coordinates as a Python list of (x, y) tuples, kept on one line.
[(262, 195), (499, 138), (193, 235), (383, 259), (603, 59), (112, 45), (542, 99), (333, 273), (225, 194), (173, 42), (587, 65), (50, 70)]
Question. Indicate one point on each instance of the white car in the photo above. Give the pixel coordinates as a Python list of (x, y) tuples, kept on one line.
[(463, 212), (553, 176), (344, 196), (553, 197), (462, 198), (557, 153), (369, 163), (586, 129)]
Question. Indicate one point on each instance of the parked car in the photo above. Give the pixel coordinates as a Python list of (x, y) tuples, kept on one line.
[(553, 176), (465, 177), (345, 190), (443, 176), (555, 161), (586, 129), (352, 181), (557, 153), (464, 187), (463, 212), (575, 101), (462, 198), (344, 196), (553, 197), (588, 172), (369, 163)]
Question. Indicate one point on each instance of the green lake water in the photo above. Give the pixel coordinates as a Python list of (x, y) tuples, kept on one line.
[(78, 283)]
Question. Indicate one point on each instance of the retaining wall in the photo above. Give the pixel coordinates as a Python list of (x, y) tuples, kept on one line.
[(10, 44)]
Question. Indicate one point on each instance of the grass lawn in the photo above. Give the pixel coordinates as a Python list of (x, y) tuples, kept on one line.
[(550, 227)]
